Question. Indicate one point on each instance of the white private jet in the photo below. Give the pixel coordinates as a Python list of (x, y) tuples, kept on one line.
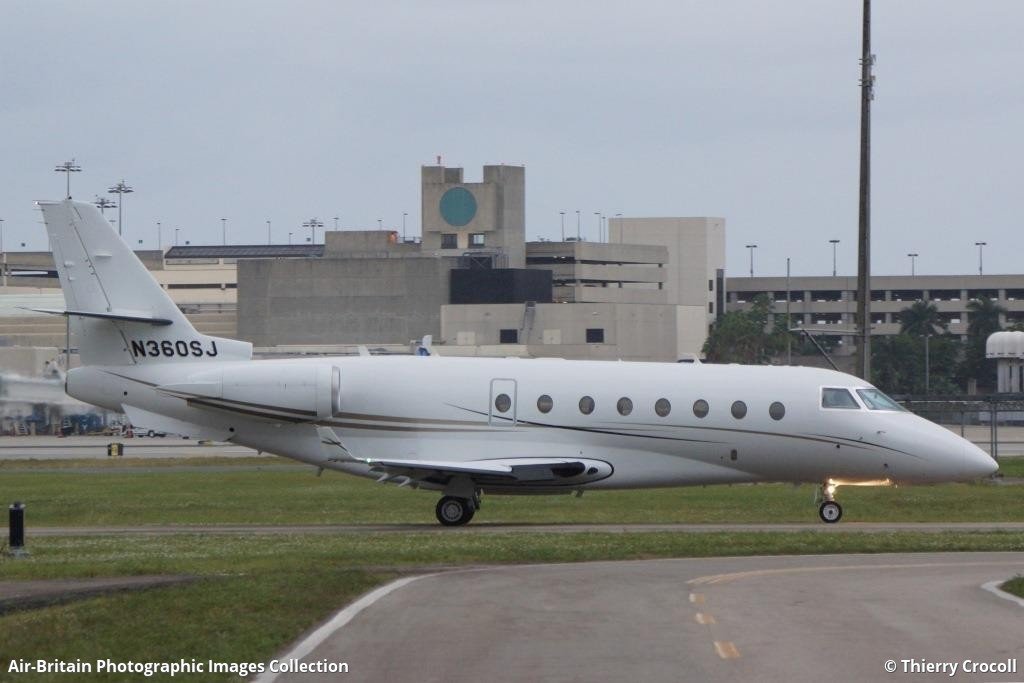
[(466, 426)]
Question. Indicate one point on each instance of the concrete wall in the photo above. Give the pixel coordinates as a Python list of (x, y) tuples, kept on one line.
[(696, 250), (631, 331), (341, 300)]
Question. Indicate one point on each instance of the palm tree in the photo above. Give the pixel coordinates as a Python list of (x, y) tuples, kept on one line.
[(922, 320), (984, 317)]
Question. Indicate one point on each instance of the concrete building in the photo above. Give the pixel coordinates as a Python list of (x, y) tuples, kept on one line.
[(365, 288), (594, 272), (488, 217), (824, 302), (696, 256)]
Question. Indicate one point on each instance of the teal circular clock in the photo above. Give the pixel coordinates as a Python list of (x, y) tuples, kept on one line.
[(458, 206)]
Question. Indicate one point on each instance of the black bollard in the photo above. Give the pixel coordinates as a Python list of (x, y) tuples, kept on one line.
[(16, 541)]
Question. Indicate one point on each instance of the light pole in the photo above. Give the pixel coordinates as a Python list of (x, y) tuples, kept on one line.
[(289, 238), (913, 258), (3, 254), (927, 364), (562, 214), (578, 225), (751, 247), (224, 231), (176, 230), (313, 224), (981, 246), (598, 214), (833, 243), (380, 223), (120, 189), (102, 203), (619, 216), (404, 215), (68, 167), (336, 225), (159, 237), (268, 232)]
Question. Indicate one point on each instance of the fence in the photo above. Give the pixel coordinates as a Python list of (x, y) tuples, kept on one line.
[(994, 422)]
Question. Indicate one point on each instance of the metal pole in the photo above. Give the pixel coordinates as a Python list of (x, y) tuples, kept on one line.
[(834, 243), (224, 231), (268, 232), (159, 237), (562, 214), (927, 365), (16, 529), (404, 214), (867, 81), (981, 263), (119, 214), (789, 318), (578, 225)]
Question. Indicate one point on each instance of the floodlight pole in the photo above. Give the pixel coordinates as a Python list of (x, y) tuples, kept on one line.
[(562, 214), (121, 189), (67, 168), (867, 83)]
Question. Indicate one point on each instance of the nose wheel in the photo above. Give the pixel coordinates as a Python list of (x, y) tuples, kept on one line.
[(830, 512)]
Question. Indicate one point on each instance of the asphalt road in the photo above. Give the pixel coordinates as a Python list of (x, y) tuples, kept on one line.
[(808, 618), (76, 447)]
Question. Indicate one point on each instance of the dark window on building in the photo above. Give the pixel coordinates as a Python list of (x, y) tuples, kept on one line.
[(711, 285), (701, 408), (595, 335), (711, 307), (502, 402), (508, 336), (476, 239), (739, 410), (544, 404), (662, 407), (586, 405), (624, 406), (777, 411), (449, 240)]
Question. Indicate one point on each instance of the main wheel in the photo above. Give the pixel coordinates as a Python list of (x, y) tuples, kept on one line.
[(830, 512), (452, 511)]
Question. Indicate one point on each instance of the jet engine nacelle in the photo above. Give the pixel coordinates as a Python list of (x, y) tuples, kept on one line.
[(266, 389)]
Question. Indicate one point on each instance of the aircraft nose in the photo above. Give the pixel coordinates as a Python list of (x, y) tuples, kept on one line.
[(977, 463)]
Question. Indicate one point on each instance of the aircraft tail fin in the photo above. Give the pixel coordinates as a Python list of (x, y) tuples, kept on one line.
[(119, 313)]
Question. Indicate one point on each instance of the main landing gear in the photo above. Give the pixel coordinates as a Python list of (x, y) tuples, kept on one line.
[(455, 511), (830, 511)]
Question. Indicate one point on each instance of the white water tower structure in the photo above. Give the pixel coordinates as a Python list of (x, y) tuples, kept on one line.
[(1008, 349)]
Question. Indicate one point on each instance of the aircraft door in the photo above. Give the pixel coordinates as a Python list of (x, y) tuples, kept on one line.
[(501, 410)]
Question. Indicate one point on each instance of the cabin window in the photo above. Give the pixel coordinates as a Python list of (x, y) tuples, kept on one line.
[(739, 410), (777, 411), (876, 400), (545, 404), (662, 407), (586, 405), (502, 402), (838, 398), (701, 408), (624, 406)]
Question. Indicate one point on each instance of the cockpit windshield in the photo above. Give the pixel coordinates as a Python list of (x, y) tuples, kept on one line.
[(836, 397), (876, 400)]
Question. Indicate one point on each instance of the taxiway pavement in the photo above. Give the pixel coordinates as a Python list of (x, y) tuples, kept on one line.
[(803, 618)]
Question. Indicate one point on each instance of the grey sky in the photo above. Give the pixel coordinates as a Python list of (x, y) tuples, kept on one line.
[(747, 110)]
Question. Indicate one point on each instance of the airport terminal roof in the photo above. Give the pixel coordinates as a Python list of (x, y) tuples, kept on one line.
[(246, 251)]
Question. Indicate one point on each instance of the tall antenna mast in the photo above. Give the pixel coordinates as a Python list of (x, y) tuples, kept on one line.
[(867, 93)]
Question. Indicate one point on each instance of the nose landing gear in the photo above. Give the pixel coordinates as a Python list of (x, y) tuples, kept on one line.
[(830, 511)]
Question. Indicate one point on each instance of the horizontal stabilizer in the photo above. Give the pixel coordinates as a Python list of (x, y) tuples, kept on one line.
[(125, 316)]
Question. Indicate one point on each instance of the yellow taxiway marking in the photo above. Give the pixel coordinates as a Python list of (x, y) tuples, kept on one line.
[(726, 650), (703, 618), (697, 598)]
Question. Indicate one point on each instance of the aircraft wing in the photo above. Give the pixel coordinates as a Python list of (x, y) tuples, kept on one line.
[(512, 472)]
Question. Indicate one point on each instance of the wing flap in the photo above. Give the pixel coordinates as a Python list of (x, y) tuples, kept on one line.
[(506, 471)]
